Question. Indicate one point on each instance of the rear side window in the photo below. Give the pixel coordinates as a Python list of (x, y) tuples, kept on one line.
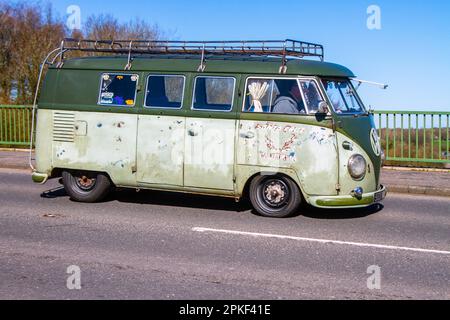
[(164, 91), (214, 93), (118, 89)]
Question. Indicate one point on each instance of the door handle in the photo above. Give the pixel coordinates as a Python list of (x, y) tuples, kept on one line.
[(248, 135), (192, 133)]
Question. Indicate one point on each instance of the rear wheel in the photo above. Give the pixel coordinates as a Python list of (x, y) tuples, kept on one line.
[(86, 186), (275, 196)]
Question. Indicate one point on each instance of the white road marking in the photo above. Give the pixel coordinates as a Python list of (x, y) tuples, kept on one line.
[(284, 237)]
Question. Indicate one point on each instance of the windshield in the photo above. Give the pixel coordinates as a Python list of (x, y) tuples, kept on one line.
[(343, 96)]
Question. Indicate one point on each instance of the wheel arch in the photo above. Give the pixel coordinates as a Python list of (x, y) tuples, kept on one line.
[(287, 174), (57, 172)]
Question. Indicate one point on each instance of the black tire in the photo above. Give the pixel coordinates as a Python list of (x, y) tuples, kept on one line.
[(86, 187), (275, 196)]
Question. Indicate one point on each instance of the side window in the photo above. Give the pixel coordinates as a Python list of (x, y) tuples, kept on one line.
[(214, 93), (261, 95), (164, 91), (282, 96), (118, 89)]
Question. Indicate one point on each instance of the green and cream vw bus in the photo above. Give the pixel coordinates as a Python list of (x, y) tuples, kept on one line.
[(252, 119)]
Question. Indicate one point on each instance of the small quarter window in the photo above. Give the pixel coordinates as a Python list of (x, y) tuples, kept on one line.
[(118, 89), (164, 91), (214, 93)]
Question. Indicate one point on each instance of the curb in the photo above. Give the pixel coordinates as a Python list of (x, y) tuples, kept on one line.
[(15, 150), (14, 166), (416, 169), (16, 170), (428, 191)]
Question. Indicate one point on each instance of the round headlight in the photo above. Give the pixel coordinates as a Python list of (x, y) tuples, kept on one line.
[(357, 167)]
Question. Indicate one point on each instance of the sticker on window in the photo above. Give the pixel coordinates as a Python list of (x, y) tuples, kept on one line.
[(118, 89), (107, 97)]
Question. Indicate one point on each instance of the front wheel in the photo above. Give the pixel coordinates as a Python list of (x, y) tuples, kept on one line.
[(86, 186), (275, 196)]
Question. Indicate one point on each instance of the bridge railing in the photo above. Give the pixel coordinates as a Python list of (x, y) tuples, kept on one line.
[(407, 137), (15, 125), (414, 136)]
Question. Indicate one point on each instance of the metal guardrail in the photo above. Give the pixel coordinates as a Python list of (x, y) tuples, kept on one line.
[(414, 136), (15, 125), (407, 136)]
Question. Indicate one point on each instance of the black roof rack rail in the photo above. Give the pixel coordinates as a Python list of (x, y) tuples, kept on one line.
[(279, 48)]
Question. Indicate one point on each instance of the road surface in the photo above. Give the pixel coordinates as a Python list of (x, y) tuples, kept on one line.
[(154, 245)]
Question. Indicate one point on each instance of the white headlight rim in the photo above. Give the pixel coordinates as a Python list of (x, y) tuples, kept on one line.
[(357, 167)]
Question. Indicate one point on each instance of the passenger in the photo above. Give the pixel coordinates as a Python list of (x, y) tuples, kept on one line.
[(292, 103)]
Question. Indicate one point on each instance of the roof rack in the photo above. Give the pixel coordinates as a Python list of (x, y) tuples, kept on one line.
[(279, 48)]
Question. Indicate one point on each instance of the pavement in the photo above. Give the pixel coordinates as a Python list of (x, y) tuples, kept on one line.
[(398, 180), (417, 181), (166, 246)]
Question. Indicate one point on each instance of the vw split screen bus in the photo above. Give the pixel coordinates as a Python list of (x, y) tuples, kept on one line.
[(267, 120)]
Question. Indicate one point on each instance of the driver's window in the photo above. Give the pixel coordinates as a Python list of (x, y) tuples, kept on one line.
[(311, 95), (335, 96), (349, 96), (280, 96)]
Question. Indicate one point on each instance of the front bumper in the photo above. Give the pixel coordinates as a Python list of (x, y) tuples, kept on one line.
[(349, 201)]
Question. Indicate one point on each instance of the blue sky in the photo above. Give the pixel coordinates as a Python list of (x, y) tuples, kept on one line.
[(411, 52)]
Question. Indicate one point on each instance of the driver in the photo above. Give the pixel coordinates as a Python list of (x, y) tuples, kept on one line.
[(292, 103)]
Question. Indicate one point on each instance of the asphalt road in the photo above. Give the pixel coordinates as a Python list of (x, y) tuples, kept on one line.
[(153, 245)]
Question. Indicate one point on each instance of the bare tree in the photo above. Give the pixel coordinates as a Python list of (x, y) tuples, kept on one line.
[(103, 27), (107, 27), (6, 39), (28, 32), (138, 29)]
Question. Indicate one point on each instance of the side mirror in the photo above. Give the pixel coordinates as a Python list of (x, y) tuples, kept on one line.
[(323, 108)]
